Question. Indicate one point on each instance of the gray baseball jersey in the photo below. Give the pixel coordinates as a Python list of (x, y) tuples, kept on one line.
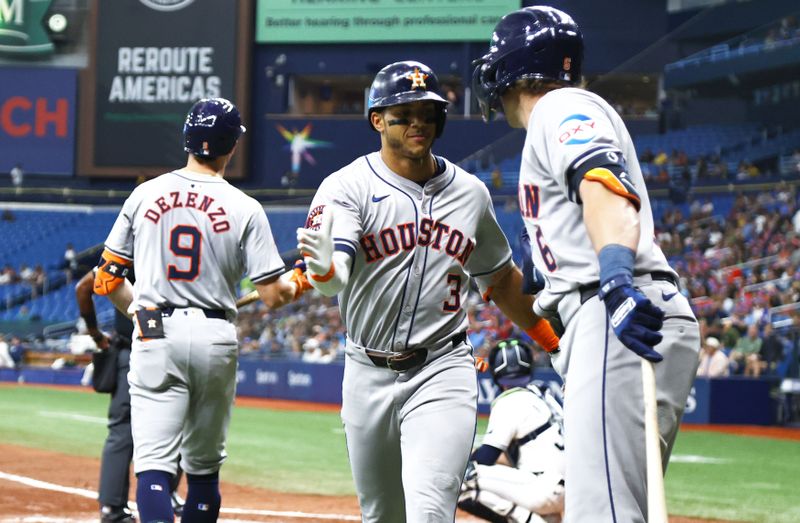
[(572, 128), (414, 248), (570, 133), (191, 237), (194, 237)]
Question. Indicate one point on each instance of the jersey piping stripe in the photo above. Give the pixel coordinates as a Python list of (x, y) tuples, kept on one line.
[(497, 268), (211, 179), (118, 253), (258, 278), (425, 260), (408, 270), (605, 435), (352, 243)]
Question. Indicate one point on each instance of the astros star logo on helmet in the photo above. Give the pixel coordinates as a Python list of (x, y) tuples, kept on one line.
[(417, 79)]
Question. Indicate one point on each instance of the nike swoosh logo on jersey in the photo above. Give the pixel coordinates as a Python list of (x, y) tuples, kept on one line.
[(667, 296), (377, 199)]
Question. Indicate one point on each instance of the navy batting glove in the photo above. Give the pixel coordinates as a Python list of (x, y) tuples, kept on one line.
[(532, 278), (634, 318)]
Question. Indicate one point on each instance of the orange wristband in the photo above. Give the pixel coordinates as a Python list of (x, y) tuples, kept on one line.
[(543, 334), (298, 277), (324, 277)]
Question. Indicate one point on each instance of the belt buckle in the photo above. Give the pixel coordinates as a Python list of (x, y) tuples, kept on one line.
[(389, 360)]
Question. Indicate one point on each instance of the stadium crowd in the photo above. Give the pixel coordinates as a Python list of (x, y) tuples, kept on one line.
[(740, 268), (736, 268)]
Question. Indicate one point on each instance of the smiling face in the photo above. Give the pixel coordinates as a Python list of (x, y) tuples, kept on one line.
[(407, 130)]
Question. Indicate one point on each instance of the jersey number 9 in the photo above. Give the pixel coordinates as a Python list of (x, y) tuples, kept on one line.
[(184, 242)]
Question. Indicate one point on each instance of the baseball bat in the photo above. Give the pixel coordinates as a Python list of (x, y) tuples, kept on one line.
[(656, 499), (288, 257)]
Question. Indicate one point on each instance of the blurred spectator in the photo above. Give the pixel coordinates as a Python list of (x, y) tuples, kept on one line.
[(497, 178), (8, 275), (26, 274), (6, 361), (746, 353), (771, 349), (452, 96), (24, 314), (17, 350), (713, 362), (17, 174), (70, 261)]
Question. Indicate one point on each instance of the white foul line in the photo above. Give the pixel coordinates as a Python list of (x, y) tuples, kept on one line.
[(73, 416), (238, 511), (48, 486)]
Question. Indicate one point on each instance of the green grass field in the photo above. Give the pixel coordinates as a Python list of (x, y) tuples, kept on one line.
[(711, 475)]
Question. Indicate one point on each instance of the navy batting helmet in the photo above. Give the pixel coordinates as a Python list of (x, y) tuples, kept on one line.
[(405, 82), (538, 42), (511, 363), (212, 128)]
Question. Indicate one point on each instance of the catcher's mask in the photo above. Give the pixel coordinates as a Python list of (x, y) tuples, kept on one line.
[(212, 128), (511, 363), (538, 43), (405, 82)]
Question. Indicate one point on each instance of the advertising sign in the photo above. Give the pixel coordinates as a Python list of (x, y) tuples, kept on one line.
[(37, 120), (306, 21), (21, 29), (152, 60)]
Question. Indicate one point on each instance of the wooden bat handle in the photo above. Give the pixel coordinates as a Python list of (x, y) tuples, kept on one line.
[(288, 258), (247, 299), (656, 500)]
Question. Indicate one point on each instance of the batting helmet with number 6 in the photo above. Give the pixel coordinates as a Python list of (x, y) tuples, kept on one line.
[(537, 43), (212, 128), (406, 82)]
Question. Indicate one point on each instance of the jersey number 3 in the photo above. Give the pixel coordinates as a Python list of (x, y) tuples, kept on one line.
[(184, 242), (454, 302)]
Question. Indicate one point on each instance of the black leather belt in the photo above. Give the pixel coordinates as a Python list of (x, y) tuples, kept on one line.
[(403, 361), (218, 314), (589, 291)]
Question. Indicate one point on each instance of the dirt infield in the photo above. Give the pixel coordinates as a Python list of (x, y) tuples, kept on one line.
[(19, 501)]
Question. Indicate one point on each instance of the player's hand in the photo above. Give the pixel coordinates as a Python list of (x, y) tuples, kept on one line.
[(634, 318), (100, 339), (316, 245), (532, 278), (298, 277)]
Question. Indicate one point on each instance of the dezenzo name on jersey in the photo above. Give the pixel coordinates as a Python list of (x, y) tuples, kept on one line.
[(191, 200)]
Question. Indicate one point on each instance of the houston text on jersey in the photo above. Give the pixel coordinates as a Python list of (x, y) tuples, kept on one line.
[(432, 232)]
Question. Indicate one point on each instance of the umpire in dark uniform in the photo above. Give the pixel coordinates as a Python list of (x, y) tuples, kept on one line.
[(118, 448)]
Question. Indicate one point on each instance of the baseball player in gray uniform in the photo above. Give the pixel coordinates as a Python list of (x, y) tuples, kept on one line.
[(585, 206), (398, 234), (525, 426), (191, 236)]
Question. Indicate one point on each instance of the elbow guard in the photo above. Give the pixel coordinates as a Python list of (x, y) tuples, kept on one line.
[(111, 272)]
